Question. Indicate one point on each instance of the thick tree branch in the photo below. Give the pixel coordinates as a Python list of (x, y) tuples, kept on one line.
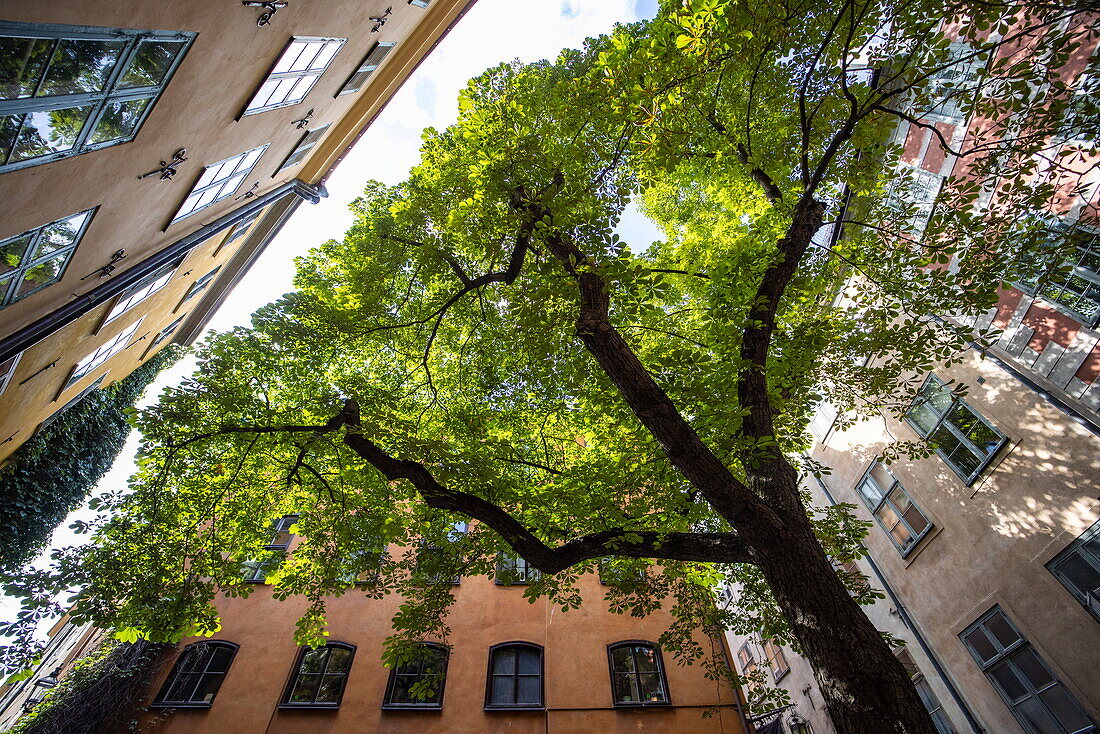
[(694, 547)]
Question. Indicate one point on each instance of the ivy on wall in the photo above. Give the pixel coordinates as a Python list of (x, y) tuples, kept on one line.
[(54, 471)]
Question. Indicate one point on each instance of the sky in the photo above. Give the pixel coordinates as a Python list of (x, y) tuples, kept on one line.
[(491, 32)]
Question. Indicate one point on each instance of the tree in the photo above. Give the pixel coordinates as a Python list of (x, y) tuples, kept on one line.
[(480, 345)]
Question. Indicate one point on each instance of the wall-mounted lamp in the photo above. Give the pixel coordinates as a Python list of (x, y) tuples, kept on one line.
[(168, 168), (250, 193), (303, 121), (798, 725), (42, 686), (380, 20), (270, 8)]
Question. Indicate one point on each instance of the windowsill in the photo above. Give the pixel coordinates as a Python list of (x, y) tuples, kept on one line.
[(781, 676), (412, 707), (310, 706), (644, 705), (180, 705), (515, 708)]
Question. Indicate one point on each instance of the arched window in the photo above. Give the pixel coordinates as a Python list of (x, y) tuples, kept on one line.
[(319, 676), (197, 675), (418, 683), (515, 676), (637, 675)]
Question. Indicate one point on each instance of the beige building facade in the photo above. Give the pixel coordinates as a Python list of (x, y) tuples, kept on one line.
[(148, 154)]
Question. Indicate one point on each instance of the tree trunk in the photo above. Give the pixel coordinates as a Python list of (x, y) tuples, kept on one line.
[(866, 690)]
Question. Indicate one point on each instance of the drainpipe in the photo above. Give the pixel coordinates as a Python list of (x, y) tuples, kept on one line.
[(912, 625)]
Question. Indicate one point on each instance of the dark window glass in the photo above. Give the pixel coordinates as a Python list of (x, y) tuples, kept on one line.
[(68, 89), (637, 676), (1073, 280), (32, 260), (1022, 678), (514, 569), (274, 551), (962, 437), (419, 682), (319, 676), (374, 59), (515, 677), (197, 675), (1078, 569), (892, 507)]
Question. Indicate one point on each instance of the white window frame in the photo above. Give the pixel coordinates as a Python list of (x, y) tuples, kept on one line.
[(7, 371), (373, 60), (302, 149), (294, 74), (142, 290), (199, 286), (98, 357), (219, 181)]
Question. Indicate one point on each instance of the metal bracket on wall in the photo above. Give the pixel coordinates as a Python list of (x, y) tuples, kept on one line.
[(36, 374), (250, 193), (302, 122), (270, 8), (109, 267), (168, 168), (380, 20)]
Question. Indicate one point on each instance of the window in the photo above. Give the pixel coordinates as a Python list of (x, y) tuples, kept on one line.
[(218, 181), (319, 677), (613, 572), (239, 229), (892, 507), (1078, 569), (7, 369), (952, 88), (747, 661), (166, 332), (515, 676), (37, 258), (302, 149), (514, 569), (1029, 688), (199, 285), (141, 290), (777, 661), (101, 355), (66, 90), (637, 676), (924, 691), (363, 566), (374, 59), (420, 3), (419, 682), (1074, 283), (294, 74), (275, 550), (434, 565), (197, 675), (962, 437), (913, 191)]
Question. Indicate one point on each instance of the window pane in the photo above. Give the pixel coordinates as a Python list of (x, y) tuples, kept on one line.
[(528, 661), (871, 492), (622, 660), (1079, 572), (1028, 664), (923, 416), (1008, 681), (1037, 715), (80, 65), (182, 687), (313, 661), (13, 251), (916, 519), (504, 662), (22, 61), (974, 428), (626, 688), (1002, 630), (529, 692), (300, 89), (326, 55), (305, 687), (358, 79), (1065, 709), (42, 274), (119, 120), (219, 661), (651, 688), (289, 57), (331, 686), (888, 516), (150, 64), (54, 131), (208, 686), (9, 127), (308, 53), (981, 645), (647, 659), (60, 234), (339, 660), (503, 689)]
